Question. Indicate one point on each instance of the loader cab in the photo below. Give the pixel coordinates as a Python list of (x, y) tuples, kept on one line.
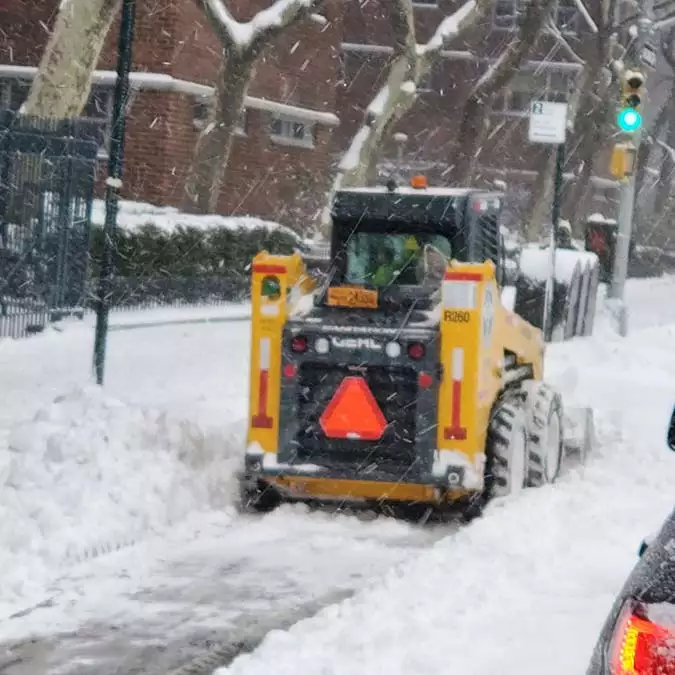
[(381, 237)]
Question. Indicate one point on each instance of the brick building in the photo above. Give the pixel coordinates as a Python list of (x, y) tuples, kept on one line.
[(281, 156), (307, 98)]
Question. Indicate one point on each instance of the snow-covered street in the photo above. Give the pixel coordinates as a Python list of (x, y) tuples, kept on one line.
[(147, 466)]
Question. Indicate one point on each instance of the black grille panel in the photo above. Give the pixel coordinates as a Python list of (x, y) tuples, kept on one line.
[(395, 391)]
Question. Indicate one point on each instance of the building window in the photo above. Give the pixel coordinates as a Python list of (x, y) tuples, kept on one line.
[(201, 116), (525, 87), (292, 132), (505, 15), (13, 93), (567, 16)]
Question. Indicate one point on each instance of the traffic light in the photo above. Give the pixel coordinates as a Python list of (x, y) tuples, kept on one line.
[(629, 118)]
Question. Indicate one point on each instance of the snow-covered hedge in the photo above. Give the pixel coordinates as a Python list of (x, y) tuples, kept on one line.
[(155, 244)]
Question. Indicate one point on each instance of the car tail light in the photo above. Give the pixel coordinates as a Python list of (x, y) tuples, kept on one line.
[(299, 344), (416, 350), (643, 641)]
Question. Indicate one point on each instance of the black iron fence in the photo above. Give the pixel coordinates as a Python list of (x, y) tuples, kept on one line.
[(129, 293), (47, 172)]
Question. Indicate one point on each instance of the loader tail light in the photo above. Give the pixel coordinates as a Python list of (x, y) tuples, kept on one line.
[(644, 640), (416, 351), (299, 344)]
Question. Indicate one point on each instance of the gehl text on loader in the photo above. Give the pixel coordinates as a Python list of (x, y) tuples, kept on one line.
[(400, 381)]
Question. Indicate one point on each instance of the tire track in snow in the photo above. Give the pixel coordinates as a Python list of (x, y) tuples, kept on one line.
[(181, 605)]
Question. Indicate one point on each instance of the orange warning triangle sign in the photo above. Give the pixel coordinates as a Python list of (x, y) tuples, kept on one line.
[(353, 413)]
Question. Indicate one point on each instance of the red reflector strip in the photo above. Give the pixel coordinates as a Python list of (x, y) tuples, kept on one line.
[(456, 432), (463, 276), (262, 420), (269, 269)]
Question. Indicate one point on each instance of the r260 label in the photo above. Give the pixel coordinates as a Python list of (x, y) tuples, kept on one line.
[(456, 316)]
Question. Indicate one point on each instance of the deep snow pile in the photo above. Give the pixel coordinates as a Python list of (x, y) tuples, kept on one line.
[(526, 588), (90, 473), (82, 471)]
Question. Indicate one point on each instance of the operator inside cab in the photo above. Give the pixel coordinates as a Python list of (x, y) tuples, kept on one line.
[(383, 260)]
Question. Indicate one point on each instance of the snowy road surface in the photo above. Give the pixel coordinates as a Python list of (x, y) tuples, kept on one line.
[(523, 590), (84, 472)]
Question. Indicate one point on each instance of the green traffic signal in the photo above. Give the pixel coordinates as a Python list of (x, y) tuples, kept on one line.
[(629, 120)]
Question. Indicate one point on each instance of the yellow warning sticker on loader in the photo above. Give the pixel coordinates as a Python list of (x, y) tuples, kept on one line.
[(348, 296)]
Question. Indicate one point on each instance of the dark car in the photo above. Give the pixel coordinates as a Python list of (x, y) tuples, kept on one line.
[(639, 634)]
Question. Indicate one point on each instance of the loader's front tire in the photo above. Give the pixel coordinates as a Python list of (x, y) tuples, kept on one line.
[(545, 447), (506, 452)]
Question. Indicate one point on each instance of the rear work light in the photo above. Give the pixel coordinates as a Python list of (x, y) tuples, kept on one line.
[(644, 640)]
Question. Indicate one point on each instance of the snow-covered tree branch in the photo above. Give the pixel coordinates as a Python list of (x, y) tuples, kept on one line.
[(63, 81), (242, 43), (474, 125), (409, 63)]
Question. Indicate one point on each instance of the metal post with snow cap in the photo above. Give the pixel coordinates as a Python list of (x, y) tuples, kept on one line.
[(629, 121), (113, 183)]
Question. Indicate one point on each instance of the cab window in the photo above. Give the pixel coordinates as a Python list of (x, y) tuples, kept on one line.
[(383, 260)]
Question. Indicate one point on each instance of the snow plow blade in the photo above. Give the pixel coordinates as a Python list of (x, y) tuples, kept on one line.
[(579, 432)]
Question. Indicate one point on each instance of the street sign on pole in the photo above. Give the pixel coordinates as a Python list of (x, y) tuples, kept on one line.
[(548, 122), (548, 125)]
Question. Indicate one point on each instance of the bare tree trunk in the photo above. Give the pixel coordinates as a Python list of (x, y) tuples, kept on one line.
[(243, 43), (63, 81), (646, 148), (667, 173), (214, 145), (475, 115), (591, 142)]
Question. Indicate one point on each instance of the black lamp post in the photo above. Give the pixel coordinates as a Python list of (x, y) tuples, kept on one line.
[(113, 184)]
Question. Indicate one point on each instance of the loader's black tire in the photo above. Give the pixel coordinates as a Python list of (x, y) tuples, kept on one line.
[(257, 497), (544, 426), (506, 451)]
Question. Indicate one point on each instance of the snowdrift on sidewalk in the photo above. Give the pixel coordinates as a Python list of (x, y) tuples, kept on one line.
[(90, 474), (524, 589)]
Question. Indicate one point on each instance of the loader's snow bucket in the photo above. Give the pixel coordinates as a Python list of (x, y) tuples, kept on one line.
[(578, 432)]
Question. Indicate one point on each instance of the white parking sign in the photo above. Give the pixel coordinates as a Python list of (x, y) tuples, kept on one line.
[(548, 122)]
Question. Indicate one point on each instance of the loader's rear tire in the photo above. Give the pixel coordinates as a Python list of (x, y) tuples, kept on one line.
[(506, 452), (545, 447)]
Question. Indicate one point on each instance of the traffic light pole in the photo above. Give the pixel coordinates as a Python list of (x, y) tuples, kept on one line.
[(627, 195)]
